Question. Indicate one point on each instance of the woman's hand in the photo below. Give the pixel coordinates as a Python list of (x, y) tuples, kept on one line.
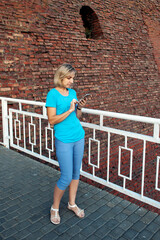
[(72, 106), (81, 103)]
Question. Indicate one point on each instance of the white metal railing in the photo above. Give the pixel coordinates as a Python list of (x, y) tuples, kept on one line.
[(30, 132)]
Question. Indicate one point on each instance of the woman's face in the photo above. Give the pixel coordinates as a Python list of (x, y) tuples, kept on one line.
[(68, 81)]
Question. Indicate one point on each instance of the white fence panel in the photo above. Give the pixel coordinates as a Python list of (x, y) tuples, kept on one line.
[(31, 133)]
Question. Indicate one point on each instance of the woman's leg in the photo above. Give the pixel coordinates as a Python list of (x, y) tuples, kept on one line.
[(64, 153), (73, 187), (58, 194), (65, 159)]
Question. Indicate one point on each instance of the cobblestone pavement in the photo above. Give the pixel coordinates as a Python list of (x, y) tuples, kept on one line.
[(26, 189)]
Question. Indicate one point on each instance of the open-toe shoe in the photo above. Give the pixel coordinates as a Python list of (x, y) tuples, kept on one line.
[(56, 219), (79, 212)]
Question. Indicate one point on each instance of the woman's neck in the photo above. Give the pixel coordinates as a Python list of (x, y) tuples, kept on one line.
[(62, 90)]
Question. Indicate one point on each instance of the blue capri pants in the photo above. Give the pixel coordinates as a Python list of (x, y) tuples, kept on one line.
[(69, 156)]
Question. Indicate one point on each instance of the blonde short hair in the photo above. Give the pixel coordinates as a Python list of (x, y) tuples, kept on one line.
[(63, 71)]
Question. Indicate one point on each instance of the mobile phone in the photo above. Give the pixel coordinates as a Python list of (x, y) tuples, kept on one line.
[(85, 96)]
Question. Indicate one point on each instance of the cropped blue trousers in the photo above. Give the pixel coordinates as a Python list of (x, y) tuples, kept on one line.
[(69, 156)]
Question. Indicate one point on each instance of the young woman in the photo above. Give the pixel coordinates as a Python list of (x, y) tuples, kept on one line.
[(64, 111)]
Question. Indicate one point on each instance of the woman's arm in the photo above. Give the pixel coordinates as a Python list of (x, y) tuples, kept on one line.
[(79, 113), (54, 119), (80, 105)]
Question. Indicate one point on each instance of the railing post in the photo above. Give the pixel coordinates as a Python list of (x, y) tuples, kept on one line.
[(5, 123), (156, 131)]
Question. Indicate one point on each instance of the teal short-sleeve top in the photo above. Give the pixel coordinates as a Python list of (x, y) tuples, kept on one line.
[(70, 129)]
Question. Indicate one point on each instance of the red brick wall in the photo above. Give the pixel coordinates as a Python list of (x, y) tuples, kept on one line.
[(121, 70)]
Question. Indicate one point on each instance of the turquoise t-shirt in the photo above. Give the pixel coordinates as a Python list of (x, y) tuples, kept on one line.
[(70, 129)]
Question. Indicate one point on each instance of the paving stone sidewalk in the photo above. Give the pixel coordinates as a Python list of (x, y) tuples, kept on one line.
[(26, 189)]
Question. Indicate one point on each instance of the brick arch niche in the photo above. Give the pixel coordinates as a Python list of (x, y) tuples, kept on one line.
[(91, 23)]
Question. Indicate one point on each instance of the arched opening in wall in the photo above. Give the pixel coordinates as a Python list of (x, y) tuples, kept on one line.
[(91, 23)]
